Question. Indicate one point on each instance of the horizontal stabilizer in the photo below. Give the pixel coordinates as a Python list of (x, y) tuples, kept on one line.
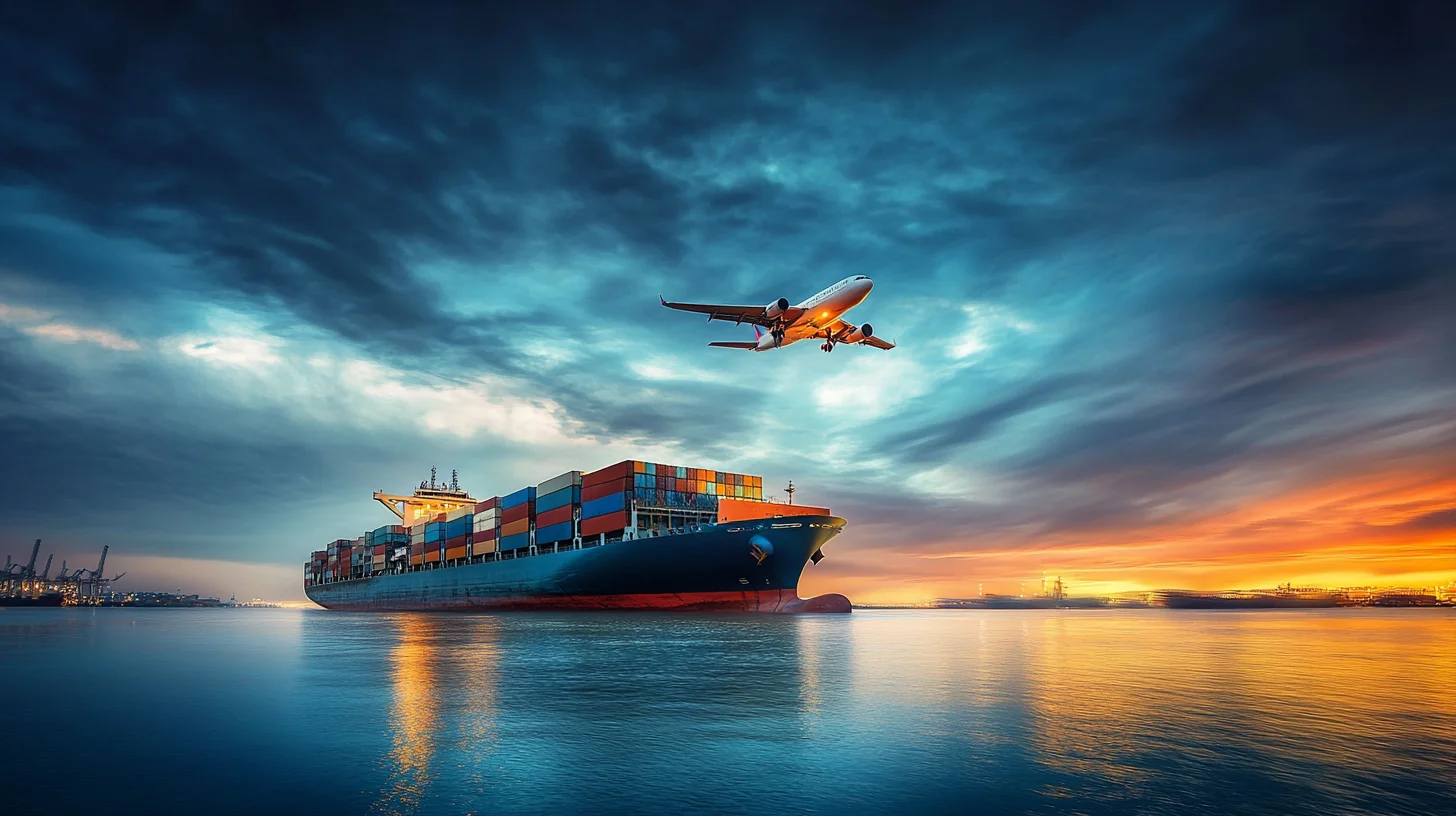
[(735, 345)]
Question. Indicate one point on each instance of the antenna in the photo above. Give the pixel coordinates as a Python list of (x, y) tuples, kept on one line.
[(432, 477), (455, 481), (790, 490)]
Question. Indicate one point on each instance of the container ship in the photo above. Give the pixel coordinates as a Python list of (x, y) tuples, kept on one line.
[(636, 535)]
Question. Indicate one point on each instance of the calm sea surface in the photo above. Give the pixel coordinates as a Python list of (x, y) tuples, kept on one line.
[(1154, 711)]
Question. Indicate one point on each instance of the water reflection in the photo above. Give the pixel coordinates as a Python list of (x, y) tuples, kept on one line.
[(1033, 712), (413, 712)]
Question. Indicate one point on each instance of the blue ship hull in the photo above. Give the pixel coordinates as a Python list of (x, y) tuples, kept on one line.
[(748, 566)]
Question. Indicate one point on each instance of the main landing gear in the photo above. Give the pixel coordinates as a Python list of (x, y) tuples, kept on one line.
[(778, 337), (828, 346)]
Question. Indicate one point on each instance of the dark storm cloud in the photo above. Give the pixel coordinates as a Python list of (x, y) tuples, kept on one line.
[(1232, 220)]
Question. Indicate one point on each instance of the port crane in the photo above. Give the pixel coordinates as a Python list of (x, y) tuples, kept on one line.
[(83, 585)]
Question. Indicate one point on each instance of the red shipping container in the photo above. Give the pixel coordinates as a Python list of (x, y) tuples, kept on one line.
[(621, 470), (417, 548), (457, 541), (519, 512), (488, 504), (597, 491), (609, 523), (379, 549), (485, 535), (661, 482), (554, 516)]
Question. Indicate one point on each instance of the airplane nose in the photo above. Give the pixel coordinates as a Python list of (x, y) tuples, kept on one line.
[(868, 284)]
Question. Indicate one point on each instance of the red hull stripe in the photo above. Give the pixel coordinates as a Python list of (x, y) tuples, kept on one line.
[(784, 600)]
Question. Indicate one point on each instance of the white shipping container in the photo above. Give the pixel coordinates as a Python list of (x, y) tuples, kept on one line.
[(459, 512), (565, 480)]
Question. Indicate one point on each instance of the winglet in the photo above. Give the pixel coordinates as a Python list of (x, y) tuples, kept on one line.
[(663, 299), (757, 332)]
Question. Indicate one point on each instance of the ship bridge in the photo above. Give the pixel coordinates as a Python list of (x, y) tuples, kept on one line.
[(429, 500)]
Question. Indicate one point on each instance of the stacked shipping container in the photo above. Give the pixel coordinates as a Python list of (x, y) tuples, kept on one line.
[(518, 514), (556, 511), (485, 526), (606, 499), (459, 525), (557, 503)]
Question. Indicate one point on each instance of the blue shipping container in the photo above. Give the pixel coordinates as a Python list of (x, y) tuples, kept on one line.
[(433, 533), (561, 498), (554, 532), (458, 527), (604, 505), (650, 469), (518, 498), (515, 542)]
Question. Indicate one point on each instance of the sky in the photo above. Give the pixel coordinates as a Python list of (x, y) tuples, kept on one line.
[(1172, 283)]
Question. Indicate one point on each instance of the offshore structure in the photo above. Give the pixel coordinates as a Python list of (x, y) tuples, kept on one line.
[(635, 535), (24, 586)]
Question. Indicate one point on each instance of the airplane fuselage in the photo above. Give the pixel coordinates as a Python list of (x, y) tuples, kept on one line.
[(819, 311)]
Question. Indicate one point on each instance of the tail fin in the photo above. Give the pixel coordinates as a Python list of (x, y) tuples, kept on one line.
[(757, 332)]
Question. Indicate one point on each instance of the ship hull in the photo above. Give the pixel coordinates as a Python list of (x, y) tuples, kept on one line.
[(718, 568)]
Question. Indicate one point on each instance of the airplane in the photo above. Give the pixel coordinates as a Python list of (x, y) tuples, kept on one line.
[(819, 317)]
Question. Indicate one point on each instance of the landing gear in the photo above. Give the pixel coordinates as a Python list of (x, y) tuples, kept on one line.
[(828, 346), (778, 337)]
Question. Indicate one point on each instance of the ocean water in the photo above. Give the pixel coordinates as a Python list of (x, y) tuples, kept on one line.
[(1148, 711)]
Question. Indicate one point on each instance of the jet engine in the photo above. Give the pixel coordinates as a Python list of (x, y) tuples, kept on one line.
[(858, 334), (776, 308)]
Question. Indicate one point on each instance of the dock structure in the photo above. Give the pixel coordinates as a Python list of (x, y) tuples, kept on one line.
[(23, 585)]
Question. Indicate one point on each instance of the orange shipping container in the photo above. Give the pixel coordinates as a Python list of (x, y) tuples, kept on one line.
[(417, 559), (482, 547), (454, 553), (745, 510), (515, 527)]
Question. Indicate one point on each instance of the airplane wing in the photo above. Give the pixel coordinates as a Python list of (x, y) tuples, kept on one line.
[(738, 314), (839, 329), (725, 344)]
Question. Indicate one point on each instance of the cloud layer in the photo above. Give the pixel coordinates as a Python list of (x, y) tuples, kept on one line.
[(1158, 276)]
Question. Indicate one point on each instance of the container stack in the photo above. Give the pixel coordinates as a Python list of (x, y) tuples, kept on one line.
[(558, 504), (380, 543), (657, 485), (434, 538), (518, 514), (561, 510), (606, 498), (485, 527), (459, 524), (315, 567), (337, 564)]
